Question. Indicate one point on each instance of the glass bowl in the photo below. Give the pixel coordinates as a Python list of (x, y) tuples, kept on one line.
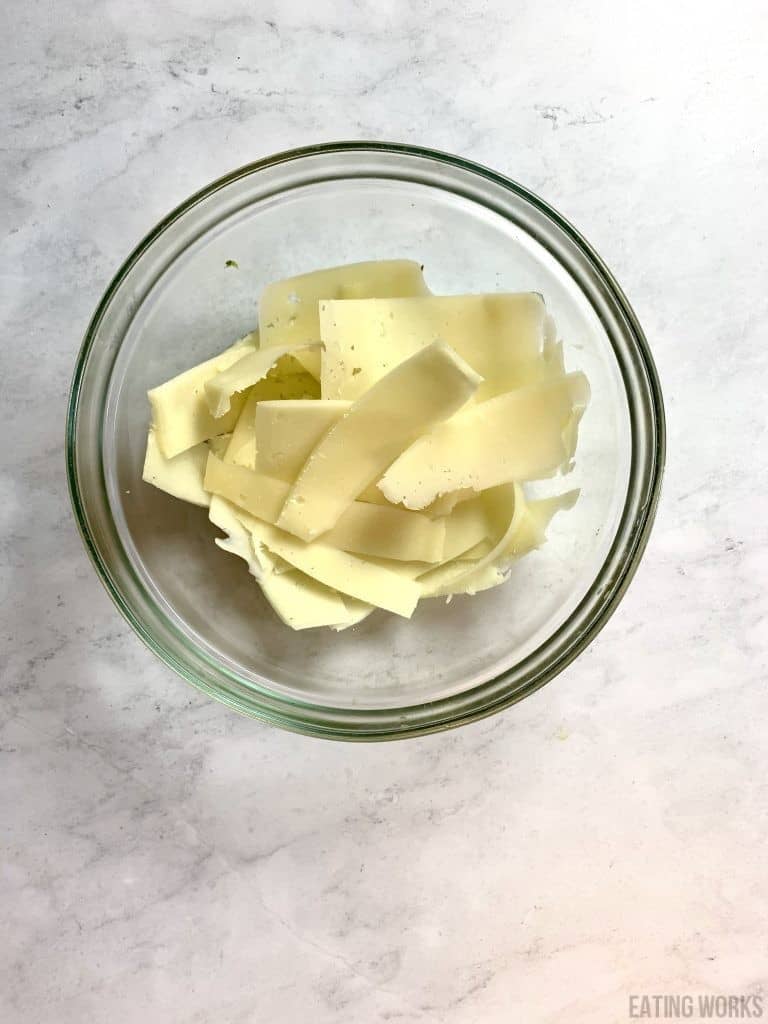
[(178, 299)]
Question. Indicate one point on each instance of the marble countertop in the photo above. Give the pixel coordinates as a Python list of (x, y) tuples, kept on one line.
[(161, 858)]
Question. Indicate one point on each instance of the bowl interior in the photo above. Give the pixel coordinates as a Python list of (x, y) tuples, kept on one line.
[(181, 303)]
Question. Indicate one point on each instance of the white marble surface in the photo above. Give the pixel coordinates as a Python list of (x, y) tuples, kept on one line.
[(166, 860)]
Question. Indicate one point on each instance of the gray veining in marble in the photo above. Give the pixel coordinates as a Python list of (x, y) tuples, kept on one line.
[(165, 860)]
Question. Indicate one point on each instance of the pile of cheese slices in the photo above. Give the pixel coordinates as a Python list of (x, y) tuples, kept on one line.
[(368, 445)]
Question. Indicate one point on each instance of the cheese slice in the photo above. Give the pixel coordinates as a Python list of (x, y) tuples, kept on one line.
[(241, 450), (288, 309), (363, 580), (354, 576), (262, 496), (518, 534), (356, 612), (485, 578), (414, 570), (218, 445), (181, 476), (303, 603), (277, 387), (446, 503), (515, 436), (554, 357), (180, 413), (531, 531), (478, 551), (416, 395), (505, 507), (382, 531), (243, 374), (299, 601), (499, 335), (288, 432), (238, 540), (374, 530), (466, 527)]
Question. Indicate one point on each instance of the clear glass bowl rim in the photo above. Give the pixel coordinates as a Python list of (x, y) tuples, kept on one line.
[(524, 678)]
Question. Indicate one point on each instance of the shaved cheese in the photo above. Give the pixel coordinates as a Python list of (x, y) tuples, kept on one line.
[(286, 387), (243, 374), (427, 388), (515, 436), (262, 496), (372, 449), (466, 527), (241, 450), (181, 476), (375, 530), (531, 531), (218, 445), (278, 386), (288, 432), (381, 531), (288, 310), (356, 612), (180, 413), (301, 602), (485, 578), (466, 539), (446, 503), (500, 336), (554, 357), (505, 506), (373, 496), (366, 582), (517, 535), (238, 540), (477, 552), (354, 576)]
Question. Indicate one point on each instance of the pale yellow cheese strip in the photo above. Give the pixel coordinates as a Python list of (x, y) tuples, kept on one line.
[(218, 445), (356, 612), (238, 540), (181, 476), (446, 503), (180, 413), (526, 531), (375, 530), (299, 601), (276, 388), (382, 531), (416, 395), (303, 603), (288, 309), (505, 506), (260, 495), (532, 528), (243, 374), (288, 432), (345, 572), (465, 527), (363, 580), (499, 335), (485, 578), (241, 450), (477, 552), (413, 570), (554, 357), (515, 436)]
